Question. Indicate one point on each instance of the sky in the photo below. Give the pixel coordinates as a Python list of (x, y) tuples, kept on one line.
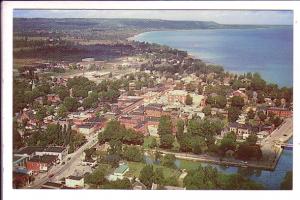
[(219, 16)]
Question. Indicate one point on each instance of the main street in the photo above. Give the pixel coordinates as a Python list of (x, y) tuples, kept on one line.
[(60, 169)]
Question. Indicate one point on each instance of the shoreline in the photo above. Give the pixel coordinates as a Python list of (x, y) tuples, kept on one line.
[(193, 56)]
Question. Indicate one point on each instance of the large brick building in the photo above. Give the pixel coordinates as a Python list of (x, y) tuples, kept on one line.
[(154, 110), (280, 112), (41, 163)]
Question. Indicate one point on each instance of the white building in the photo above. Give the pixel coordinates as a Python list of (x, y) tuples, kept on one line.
[(75, 182)]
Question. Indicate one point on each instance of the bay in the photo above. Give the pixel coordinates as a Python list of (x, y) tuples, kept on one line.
[(268, 51)]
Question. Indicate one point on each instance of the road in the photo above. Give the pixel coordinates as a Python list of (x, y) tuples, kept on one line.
[(58, 170), (270, 145)]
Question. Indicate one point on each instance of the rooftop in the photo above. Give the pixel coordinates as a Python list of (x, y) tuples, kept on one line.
[(52, 184), (29, 150), (44, 159), (54, 149), (178, 92), (75, 178), (121, 169)]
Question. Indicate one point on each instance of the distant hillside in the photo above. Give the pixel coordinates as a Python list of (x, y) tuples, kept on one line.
[(27, 24)]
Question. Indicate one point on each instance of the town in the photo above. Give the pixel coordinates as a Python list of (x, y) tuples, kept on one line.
[(145, 116)]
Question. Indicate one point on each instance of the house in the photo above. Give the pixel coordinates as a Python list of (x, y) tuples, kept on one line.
[(280, 112), (89, 162), (242, 129), (177, 96), (75, 182), (240, 94), (41, 163)]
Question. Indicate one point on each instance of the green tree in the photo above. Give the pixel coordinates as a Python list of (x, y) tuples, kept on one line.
[(237, 101), (251, 114), (62, 92), (233, 114), (221, 101), (71, 104), (147, 176), (62, 111), (188, 100), (207, 110), (165, 126), (169, 160), (228, 142), (159, 176), (41, 113), (179, 128), (133, 153), (166, 141), (153, 143), (97, 177), (252, 139), (262, 116)]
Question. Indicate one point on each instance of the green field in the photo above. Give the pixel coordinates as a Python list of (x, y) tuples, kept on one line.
[(188, 164), (136, 167)]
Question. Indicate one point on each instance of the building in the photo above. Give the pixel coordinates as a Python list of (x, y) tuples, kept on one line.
[(137, 185), (154, 110), (75, 182), (280, 112), (177, 96), (119, 173), (88, 59), (41, 163), (239, 93), (60, 152), (86, 129), (53, 98), (128, 121), (20, 161), (31, 151), (242, 129), (125, 101)]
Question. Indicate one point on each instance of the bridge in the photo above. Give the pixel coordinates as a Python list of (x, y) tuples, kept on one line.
[(286, 146)]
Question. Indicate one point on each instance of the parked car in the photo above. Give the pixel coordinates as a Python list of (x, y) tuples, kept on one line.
[(51, 175)]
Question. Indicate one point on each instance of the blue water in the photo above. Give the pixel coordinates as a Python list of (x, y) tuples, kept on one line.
[(268, 51), (270, 179)]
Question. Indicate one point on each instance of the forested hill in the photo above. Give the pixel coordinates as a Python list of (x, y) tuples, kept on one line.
[(58, 24)]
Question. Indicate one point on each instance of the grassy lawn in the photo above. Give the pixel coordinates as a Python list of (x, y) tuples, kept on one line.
[(136, 167), (188, 164), (148, 140), (176, 146)]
